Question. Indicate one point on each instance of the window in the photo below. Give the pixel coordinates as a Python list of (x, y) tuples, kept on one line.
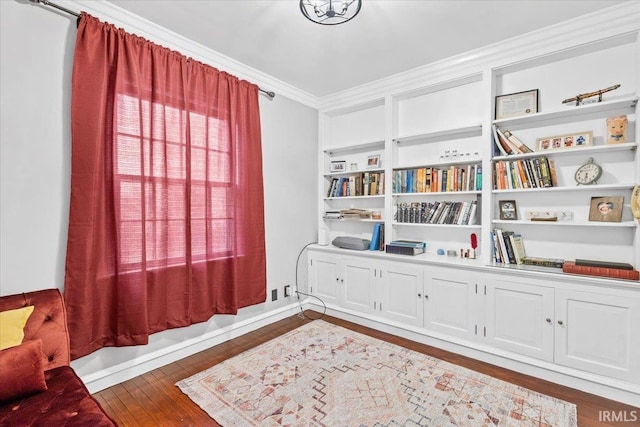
[(166, 186)]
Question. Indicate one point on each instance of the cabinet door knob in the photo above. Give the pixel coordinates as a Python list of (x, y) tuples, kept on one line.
[(560, 322), (419, 295), (337, 279), (548, 320)]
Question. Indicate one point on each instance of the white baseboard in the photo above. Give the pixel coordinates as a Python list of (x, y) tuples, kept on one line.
[(105, 378), (607, 388)]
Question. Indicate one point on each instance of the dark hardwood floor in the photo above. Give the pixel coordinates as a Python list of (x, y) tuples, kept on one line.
[(152, 399)]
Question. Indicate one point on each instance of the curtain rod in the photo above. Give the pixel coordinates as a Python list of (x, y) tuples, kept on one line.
[(269, 94)]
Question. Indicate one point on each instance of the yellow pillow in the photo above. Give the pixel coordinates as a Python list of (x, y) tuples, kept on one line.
[(12, 326)]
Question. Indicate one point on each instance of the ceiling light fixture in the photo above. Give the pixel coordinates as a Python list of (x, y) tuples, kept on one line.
[(328, 12)]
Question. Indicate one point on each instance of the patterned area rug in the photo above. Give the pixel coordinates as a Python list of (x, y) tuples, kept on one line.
[(324, 375)]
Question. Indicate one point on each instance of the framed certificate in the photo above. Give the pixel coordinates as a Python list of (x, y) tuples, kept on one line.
[(516, 104)]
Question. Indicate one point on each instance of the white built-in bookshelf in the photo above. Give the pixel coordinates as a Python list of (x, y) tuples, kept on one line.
[(582, 331), (446, 124)]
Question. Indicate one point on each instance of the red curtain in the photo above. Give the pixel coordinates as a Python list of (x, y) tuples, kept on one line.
[(166, 220)]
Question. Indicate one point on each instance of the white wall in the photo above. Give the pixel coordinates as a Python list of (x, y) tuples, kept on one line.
[(36, 61)]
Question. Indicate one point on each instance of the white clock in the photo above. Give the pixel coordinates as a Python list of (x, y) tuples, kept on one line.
[(589, 173)]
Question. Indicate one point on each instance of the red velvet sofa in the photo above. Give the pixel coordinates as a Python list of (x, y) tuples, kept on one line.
[(66, 401)]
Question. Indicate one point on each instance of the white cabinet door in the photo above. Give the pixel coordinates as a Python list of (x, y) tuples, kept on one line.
[(324, 277), (357, 282), (400, 295), (519, 317), (599, 333), (449, 297)]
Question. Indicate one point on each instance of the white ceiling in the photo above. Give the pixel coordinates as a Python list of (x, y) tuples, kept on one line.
[(387, 37)]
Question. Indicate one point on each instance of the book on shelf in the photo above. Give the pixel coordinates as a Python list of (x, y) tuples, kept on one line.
[(534, 172), (332, 215), (506, 235), (358, 184), (552, 173), (495, 247), (501, 143), (607, 264), (353, 213), (366, 183), (503, 137), (615, 273), (518, 247), (377, 238), (506, 254), (543, 262), (403, 250), (520, 146), (406, 247), (507, 143), (411, 243), (445, 212)]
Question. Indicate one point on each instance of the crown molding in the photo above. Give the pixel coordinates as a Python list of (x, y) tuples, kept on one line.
[(577, 32), (132, 23), (583, 30)]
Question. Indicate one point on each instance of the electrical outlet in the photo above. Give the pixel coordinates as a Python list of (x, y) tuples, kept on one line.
[(287, 290), (274, 294)]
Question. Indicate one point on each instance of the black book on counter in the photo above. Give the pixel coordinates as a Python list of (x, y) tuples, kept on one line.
[(404, 250), (605, 264)]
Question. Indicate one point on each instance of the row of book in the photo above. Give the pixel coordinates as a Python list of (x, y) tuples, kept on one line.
[(446, 212), (535, 172), (507, 143), (431, 179), (507, 247), (360, 184)]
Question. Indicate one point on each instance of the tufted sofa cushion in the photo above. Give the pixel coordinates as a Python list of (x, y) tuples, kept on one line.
[(66, 403), (48, 322)]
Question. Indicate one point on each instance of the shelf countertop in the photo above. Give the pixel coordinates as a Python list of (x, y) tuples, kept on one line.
[(480, 265)]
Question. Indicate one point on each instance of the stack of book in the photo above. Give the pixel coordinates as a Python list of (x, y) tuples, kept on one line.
[(616, 270), (406, 247), (332, 215)]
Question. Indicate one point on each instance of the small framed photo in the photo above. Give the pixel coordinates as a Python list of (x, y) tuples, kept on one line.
[(617, 129), (508, 209), (517, 104), (338, 166), (569, 140), (606, 209), (373, 161)]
